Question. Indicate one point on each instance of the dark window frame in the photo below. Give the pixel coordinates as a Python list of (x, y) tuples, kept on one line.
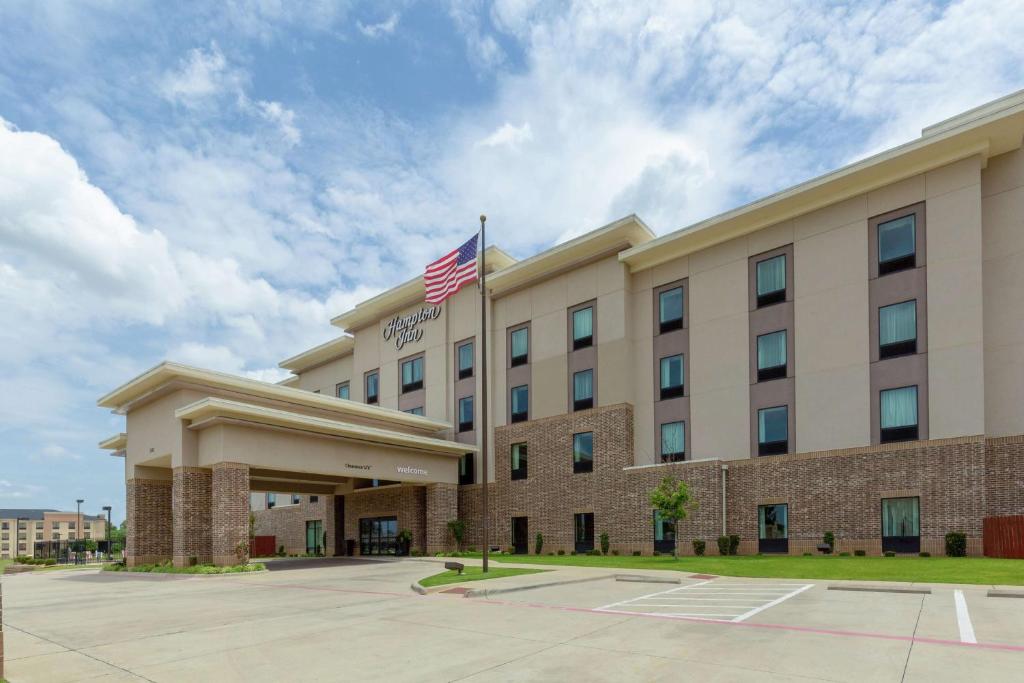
[(672, 324), (582, 342), (904, 432), (521, 472), (776, 296), (375, 396), (777, 447), (586, 521), (906, 347), (677, 390), (583, 403), (415, 385), (466, 426), (522, 359), (342, 385), (774, 371), (898, 263), (899, 544), (464, 373), (522, 416), (582, 466), (466, 474), (676, 456), (773, 545)]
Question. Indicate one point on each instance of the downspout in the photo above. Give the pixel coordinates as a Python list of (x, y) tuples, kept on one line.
[(725, 470)]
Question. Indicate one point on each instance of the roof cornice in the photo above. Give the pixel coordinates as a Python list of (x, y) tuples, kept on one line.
[(318, 355), (992, 129)]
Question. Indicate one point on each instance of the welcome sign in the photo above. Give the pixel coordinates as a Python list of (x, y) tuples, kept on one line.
[(405, 329)]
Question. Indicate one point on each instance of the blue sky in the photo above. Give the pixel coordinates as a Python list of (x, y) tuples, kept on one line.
[(212, 182)]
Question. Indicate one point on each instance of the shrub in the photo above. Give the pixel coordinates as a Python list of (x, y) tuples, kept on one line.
[(924, 554), (615, 553), (734, 543), (859, 553), (636, 553), (416, 552), (889, 553), (656, 554), (457, 528), (604, 543), (723, 545), (472, 549), (595, 552), (551, 553), (280, 551), (844, 554), (807, 555), (956, 544), (698, 547), (49, 562), (830, 539), (560, 552), (538, 543)]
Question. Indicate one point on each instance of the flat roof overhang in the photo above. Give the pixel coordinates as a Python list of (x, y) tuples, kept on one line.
[(318, 355), (117, 444), (146, 386), (992, 129), (211, 411)]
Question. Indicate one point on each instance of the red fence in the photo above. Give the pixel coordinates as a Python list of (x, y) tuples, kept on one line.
[(1004, 536), (263, 546)]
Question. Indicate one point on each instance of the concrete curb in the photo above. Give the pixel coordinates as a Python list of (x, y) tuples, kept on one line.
[(883, 589), (417, 588), (996, 593), (638, 578), (486, 592)]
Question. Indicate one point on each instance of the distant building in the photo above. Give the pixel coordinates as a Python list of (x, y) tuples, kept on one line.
[(20, 530)]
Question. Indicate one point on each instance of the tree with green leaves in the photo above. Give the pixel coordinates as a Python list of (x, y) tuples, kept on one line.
[(457, 528), (672, 500)]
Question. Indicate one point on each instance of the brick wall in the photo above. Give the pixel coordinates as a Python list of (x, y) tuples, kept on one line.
[(407, 503), (441, 505), (190, 514), (230, 511), (837, 491), (1004, 473), (287, 523), (149, 521)]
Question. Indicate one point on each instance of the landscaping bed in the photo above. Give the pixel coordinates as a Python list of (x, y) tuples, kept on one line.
[(168, 568), (474, 574)]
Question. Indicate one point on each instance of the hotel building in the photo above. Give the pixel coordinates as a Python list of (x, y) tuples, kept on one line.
[(846, 355), (20, 530)]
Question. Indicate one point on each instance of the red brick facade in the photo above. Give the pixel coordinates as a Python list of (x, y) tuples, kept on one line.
[(407, 503), (149, 526), (190, 513), (1004, 474), (441, 506), (287, 523), (230, 513)]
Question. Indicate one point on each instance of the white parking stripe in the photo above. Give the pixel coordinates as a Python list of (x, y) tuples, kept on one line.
[(752, 612), (963, 618), (651, 595)]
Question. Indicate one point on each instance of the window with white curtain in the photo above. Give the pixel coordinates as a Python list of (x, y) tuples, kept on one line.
[(412, 374), (897, 329), (583, 389), (466, 414), (898, 419), (771, 280), (519, 461), (466, 360), (520, 340), (771, 355), (673, 441), (672, 378), (670, 309), (582, 328), (520, 403)]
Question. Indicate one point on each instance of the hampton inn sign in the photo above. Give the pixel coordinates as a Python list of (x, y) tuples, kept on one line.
[(405, 329)]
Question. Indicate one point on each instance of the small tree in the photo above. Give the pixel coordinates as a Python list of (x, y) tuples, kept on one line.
[(457, 528), (672, 499), (538, 543)]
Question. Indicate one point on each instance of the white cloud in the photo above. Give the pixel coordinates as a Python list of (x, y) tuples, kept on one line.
[(508, 136), (201, 74), (55, 453), (383, 28), (284, 118), (17, 492)]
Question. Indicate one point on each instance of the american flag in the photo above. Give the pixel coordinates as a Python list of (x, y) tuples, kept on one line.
[(446, 275)]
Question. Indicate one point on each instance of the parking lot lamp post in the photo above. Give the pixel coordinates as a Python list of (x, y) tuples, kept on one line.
[(110, 543), (78, 531)]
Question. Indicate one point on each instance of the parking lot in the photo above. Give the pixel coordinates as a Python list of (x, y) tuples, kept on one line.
[(355, 619)]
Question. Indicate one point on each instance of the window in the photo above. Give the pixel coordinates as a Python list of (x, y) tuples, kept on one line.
[(418, 410), (296, 499), (897, 329), (378, 536), (664, 534), (898, 419), (39, 535), (901, 525), (520, 346), (897, 248), (372, 387), (465, 360), (466, 469), (71, 525), (412, 375), (673, 442), (271, 500), (519, 461), (771, 356), (520, 403), (584, 524), (583, 452), (314, 499), (466, 414), (773, 430), (670, 310), (520, 535), (55, 525), (672, 376), (771, 280), (583, 328), (773, 528), (583, 390), (341, 390)]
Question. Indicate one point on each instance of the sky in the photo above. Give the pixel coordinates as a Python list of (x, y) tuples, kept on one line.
[(212, 182)]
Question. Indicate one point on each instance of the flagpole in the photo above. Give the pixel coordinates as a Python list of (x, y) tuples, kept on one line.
[(483, 370)]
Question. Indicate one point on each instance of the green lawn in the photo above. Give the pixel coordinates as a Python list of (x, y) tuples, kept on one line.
[(167, 568), (3, 564), (473, 574), (977, 570)]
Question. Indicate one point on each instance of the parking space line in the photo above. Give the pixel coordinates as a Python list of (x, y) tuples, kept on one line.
[(650, 595), (963, 618), (705, 600), (783, 598)]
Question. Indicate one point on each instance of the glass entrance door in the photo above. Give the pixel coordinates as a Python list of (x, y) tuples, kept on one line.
[(377, 535), (520, 535), (901, 525), (314, 537)]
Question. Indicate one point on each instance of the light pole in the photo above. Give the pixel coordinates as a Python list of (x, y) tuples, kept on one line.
[(110, 543), (78, 532)]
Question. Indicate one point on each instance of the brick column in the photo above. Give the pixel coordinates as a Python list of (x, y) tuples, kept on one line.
[(230, 513), (442, 505), (149, 521), (190, 512)]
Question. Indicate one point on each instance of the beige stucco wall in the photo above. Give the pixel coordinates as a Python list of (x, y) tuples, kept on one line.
[(1002, 206), (326, 377)]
